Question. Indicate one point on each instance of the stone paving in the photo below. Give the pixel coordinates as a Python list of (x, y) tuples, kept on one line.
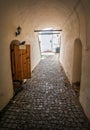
[(47, 102)]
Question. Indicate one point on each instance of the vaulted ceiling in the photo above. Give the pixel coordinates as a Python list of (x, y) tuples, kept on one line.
[(37, 13)]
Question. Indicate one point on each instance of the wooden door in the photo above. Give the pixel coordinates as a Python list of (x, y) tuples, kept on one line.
[(20, 61), (25, 60)]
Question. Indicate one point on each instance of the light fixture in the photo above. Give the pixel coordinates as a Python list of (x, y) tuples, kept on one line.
[(22, 43), (18, 31)]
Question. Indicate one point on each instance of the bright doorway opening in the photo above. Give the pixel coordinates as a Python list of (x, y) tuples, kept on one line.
[(49, 41)]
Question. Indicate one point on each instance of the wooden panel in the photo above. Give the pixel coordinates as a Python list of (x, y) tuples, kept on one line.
[(21, 65), (12, 61), (24, 67), (18, 63), (28, 61)]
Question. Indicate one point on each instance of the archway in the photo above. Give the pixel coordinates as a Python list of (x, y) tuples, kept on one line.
[(20, 63), (49, 41), (77, 65), (16, 84)]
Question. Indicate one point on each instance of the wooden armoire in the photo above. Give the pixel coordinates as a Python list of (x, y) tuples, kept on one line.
[(20, 62)]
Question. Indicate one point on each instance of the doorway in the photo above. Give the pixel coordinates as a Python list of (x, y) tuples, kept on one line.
[(77, 65), (49, 41), (20, 64)]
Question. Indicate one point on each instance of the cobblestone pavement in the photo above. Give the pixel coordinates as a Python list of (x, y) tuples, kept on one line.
[(47, 102)]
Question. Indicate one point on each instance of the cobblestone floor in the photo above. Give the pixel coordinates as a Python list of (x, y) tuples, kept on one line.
[(47, 102)]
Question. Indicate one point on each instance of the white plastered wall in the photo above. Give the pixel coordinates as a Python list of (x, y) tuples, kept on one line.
[(78, 27), (13, 16), (69, 35), (85, 84)]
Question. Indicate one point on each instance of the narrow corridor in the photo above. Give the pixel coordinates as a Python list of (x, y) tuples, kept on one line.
[(47, 102)]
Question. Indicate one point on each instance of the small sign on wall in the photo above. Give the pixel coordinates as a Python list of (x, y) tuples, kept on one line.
[(22, 47)]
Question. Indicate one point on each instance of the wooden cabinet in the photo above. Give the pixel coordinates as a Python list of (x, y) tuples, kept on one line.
[(20, 62)]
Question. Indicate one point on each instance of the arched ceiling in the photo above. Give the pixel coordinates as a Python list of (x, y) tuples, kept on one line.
[(37, 14)]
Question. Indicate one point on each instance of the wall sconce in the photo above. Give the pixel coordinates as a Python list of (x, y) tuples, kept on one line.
[(18, 30), (22, 43)]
